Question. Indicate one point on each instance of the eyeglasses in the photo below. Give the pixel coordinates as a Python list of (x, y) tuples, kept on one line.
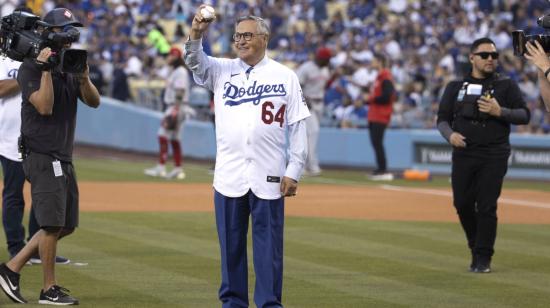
[(485, 55), (246, 35)]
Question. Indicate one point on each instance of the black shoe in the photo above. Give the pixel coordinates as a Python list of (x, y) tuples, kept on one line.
[(58, 260), (483, 265), (9, 281), (57, 295)]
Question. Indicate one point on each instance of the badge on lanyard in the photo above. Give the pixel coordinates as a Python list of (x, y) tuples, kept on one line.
[(474, 89), (57, 171)]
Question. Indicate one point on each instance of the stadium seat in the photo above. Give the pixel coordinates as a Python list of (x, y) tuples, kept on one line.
[(334, 7), (169, 26), (147, 93)]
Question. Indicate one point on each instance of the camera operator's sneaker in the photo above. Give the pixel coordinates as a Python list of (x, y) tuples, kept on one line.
[(176, 173), (9, 281), (158, 170), (58, 260), (57, 295)]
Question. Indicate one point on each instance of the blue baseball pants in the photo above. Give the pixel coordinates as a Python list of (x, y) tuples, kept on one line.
[(232, 216)]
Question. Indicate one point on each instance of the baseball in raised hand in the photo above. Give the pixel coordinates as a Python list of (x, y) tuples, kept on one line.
[(208, 13), (203, 17)]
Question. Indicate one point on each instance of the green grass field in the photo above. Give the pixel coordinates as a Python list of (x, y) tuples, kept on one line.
[(122, 170), (171, 259)]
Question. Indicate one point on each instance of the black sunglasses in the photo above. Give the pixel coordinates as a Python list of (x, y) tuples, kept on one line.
[(484, 55)]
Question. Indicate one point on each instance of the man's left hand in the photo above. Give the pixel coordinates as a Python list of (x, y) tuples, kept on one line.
[(489, 105), (288, 187)]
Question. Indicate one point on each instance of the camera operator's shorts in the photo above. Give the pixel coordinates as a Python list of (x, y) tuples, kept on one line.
[(54, 198)]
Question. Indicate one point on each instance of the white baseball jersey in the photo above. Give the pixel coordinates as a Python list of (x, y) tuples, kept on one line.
[(254, 114), (177, 80), (10, 112)]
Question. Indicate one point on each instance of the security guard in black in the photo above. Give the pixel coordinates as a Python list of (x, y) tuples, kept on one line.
[(485, 135), (475, 116)]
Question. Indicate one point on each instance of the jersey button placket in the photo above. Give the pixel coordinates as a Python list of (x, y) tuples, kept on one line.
[(249, 172), (247, 149)]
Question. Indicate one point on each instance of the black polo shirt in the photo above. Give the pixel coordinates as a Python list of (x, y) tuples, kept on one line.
[(51, 134)]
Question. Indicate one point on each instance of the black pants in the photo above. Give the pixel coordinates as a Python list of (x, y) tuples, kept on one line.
[(477, 183), (376, 132), (13, 205)]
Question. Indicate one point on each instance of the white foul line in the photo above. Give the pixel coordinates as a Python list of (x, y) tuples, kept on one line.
[(449, 194)]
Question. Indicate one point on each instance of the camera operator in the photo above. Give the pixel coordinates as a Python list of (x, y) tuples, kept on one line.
[(48, 119), (536, 55), (13, 203), (474, 117)]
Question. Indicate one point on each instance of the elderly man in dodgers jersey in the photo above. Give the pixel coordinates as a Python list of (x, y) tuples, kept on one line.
[(258, 102)]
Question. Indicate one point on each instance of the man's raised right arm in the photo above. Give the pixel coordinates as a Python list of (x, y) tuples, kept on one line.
[(195, 58), (42, 98)]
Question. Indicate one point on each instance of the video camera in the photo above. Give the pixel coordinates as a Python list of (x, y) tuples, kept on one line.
[(519, 39), (20, 39)]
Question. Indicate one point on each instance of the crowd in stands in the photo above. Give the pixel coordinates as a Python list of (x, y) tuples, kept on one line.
[(427, 42)]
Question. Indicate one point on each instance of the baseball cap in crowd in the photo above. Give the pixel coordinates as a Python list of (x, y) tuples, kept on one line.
[(175, 51), (61, 17), (323, 53)]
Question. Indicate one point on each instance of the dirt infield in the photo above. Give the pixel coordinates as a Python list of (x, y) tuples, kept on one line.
[(358, 202)]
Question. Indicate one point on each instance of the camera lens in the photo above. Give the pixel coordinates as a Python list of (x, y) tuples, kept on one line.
[(74, 60)]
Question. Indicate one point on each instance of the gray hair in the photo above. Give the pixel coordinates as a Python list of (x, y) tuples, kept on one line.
[(263, 27)]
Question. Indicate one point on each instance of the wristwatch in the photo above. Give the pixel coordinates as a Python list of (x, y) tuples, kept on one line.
[(43, 66)]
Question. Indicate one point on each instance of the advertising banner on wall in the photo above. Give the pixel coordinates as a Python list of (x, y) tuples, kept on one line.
[(522, 157), (432, 153)]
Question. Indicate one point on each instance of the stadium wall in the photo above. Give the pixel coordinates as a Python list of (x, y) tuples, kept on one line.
[(128, 127)]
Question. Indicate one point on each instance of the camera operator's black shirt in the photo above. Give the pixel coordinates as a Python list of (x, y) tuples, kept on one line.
[(51, 134), (489, 137)]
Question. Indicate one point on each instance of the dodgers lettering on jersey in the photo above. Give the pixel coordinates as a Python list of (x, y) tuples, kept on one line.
[(235, 95), (252, 117), (10, 112)]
